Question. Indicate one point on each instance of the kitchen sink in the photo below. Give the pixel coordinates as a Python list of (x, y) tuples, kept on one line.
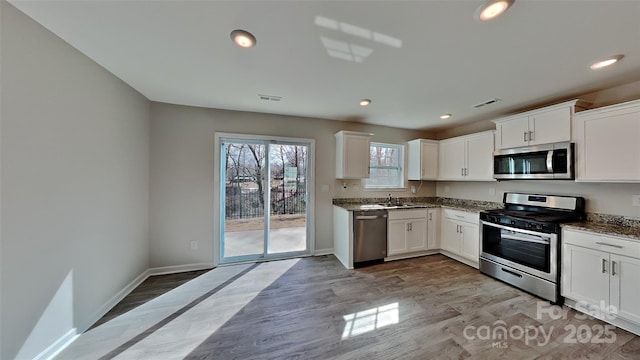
[(398, 206), (373, 207)]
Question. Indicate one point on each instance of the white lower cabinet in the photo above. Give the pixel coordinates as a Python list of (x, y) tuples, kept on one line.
[(433, 229), (461, 234), (407, 231), (596, 275), (451, 238)]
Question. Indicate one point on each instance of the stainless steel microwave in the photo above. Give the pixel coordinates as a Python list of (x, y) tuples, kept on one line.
[(549, 161)]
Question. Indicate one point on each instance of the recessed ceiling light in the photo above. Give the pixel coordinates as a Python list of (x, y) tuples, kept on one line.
[(445, 116), (606, 62), (243, 38), (365, 102), (492, 9)]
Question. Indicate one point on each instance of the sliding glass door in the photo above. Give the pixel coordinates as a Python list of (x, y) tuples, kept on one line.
[(264, 197)]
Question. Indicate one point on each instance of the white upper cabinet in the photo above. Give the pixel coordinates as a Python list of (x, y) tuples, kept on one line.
[(423, 160), (468, 157), (607, 143), (352, 154), (513, 133), (542, 126)]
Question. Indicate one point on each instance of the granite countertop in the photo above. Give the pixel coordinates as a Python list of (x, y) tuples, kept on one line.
[(606, 229), (605, 224), (359, 204), (609, 225), (375, 206)]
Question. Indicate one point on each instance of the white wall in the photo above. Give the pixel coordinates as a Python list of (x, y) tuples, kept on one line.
[(182, 198), (74, 150)]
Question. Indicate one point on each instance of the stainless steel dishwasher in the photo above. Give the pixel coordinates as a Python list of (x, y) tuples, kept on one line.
[(370, 235)]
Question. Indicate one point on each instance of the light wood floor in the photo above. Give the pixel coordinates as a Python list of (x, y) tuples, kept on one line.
[(312, 308)]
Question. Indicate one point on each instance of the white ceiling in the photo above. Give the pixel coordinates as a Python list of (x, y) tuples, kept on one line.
[(415, 59)]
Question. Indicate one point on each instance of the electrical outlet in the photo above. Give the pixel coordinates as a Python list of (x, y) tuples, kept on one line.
[(194, 245), (325, 188), (492, 191), (356, 188), (413, 189), (446, 189), (635, 200)]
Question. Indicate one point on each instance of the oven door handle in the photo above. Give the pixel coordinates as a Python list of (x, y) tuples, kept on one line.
[(519, 238), (551, 236)]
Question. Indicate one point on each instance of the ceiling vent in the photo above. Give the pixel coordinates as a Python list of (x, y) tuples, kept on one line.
[(269, 97), (488, 102)]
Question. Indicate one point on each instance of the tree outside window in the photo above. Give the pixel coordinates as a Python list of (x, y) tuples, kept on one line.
[(386, 163)]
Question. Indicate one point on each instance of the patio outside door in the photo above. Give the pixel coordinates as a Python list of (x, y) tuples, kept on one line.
[(264, 199)]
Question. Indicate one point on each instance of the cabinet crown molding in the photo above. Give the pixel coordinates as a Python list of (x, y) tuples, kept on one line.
[(576, 105), (614, 107), (468, 136)]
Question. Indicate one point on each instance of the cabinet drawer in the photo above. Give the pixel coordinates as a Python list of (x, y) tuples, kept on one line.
[(407, 214), (471, 217), (600, 242)]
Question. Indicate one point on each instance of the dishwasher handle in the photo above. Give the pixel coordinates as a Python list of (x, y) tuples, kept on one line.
[(370, 217)]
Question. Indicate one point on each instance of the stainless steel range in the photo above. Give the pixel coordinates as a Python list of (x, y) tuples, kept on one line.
[(520, 244)]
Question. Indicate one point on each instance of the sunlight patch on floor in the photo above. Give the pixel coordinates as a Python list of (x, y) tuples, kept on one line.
[(369, 320), (183, 334)]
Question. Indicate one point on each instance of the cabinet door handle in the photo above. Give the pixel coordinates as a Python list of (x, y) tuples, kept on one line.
[(466, 171), (525, 136), (613, 268), (410, 226), (461, 171), (430, 216), (531, 135), (604, 266), (605, 244)]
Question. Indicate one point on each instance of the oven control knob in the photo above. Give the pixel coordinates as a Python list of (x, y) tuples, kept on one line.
[(513, 222)]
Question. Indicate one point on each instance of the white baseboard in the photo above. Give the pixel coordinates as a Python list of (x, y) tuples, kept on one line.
[(411, 255), (174, 269), (321, 252), (59, 345), (600, 315), (113, 301), (460, 259)]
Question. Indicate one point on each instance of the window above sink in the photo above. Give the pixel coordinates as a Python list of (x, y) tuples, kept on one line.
[(386, 166)]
